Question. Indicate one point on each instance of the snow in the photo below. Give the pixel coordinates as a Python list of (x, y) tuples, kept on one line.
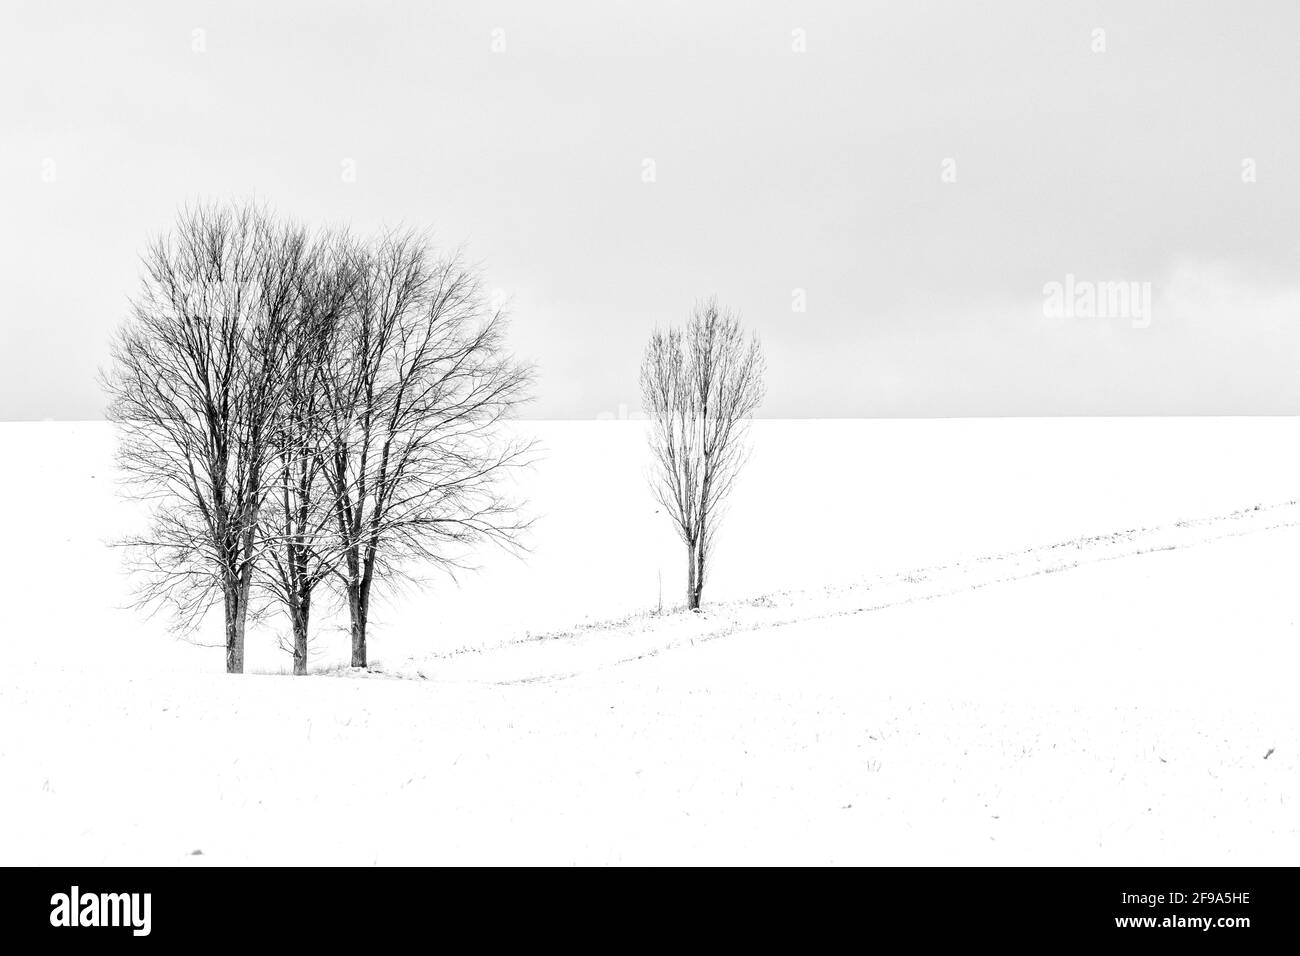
[(926, 642)]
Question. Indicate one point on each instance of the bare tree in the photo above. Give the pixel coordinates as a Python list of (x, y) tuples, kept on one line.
[(196, 376), (699, 385), (420, 386), (303, 547)]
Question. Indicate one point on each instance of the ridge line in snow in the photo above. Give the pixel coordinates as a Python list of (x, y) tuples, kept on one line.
[(551, 657)]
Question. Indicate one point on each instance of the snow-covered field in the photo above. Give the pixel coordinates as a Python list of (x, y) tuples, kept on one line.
[(927, 642)]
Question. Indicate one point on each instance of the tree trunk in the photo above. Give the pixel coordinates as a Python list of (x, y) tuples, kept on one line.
[(699, 576), (692, 592), (357, 601), (238, 589), (300, 620), (236, 615)]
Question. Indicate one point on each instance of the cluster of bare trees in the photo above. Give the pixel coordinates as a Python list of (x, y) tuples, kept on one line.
[(308, 413), (699, 385)]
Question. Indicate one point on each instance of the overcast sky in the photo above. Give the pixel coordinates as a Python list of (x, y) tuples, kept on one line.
[(913, 175)]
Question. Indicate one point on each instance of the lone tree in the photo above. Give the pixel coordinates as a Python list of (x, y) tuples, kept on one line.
[(419, 387), (196, 379), (700, 385)]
